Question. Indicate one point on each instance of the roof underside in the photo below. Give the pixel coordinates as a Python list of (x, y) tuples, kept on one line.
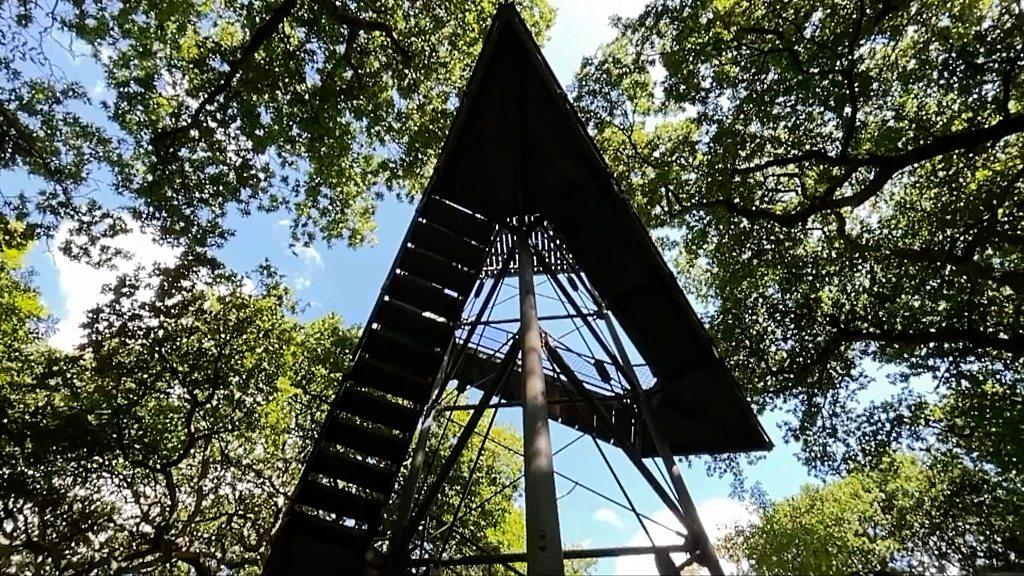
[(518, 147)]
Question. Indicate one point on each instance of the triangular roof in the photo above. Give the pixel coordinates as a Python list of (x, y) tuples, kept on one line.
[(518, 146)]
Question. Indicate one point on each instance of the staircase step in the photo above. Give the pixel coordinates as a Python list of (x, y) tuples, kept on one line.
[(352, 470), (420, 359), (434, 268), (339, 501), (313, 546), (366, 441), (465, 224), (316, 528), (425, 296), (369, 373), (377, 409), (450, 245), (404, 319)]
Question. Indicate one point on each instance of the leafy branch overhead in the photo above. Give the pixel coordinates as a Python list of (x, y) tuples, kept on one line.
[(171, 439), (316, 107), (903, 515), (846, 182)]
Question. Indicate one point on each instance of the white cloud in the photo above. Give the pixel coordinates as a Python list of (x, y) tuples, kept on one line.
[(719, 516), (580, 27), (248, 286), (81, 285), (310, 256), (106, 54), (608, 516), (283, 223), (311, 261), (302, 283)]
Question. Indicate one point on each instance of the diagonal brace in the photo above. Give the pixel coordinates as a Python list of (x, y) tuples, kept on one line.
[(605, 420), (430, 494), (692, 521)]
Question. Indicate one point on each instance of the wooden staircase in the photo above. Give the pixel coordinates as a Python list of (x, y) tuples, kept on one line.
[(338, 505)]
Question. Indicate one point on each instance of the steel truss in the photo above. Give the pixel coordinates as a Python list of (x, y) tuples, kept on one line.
[(419, 540)]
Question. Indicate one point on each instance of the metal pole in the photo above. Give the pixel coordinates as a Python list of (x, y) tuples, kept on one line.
[(543, 537), (412, 479), (518, 404), (571, 554), (551, 317), (675, 475), (431, 491)]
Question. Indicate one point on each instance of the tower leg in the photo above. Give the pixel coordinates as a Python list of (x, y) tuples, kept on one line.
[(710, 559), (412, 479), (400, 525), (543, 537)]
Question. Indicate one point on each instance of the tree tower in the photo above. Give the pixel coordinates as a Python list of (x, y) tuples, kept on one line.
[(521, 212)]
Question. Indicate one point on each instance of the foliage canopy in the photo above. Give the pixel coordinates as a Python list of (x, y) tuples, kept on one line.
[(171, 438), (846, 181), (903, 515), (318, 108)]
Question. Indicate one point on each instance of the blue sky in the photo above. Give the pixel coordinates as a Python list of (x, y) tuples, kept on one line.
[(346, 281)]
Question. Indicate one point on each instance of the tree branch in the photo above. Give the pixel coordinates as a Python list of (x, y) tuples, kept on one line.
[(963, 140), (1012, 343), (849, 76), (1006, 79), (356, 24), (260, 36), (1013, 279), (194, 560), (819, 156), (885, 167), (785, 46)]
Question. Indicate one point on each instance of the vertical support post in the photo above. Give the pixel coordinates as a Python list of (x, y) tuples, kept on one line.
[(710, 559), (412, 479), (543, 536)]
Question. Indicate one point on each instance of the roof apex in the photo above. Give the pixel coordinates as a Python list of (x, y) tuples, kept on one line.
[(517, 147)]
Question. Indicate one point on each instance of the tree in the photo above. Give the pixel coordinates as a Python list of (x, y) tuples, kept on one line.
[(906, 515), (172, 437), (169, 441), (21, 312), (845, 179), (317, 107), (845, 182)]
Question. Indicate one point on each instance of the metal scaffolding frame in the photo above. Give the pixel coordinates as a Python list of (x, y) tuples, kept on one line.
[(409, 547)]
